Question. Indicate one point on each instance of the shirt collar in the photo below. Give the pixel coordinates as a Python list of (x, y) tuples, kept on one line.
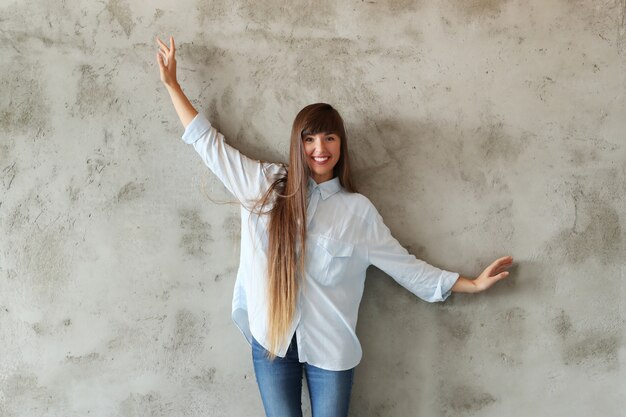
[(327, 188)]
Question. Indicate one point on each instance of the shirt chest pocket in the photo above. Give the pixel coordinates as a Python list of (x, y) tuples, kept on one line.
[(328, 259)]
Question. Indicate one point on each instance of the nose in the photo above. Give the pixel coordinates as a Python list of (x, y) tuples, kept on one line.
[(320, 145)]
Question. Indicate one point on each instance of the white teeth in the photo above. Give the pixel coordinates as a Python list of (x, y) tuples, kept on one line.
[(321, 159)]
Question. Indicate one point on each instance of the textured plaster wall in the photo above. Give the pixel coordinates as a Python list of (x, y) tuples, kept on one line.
[(479, 128)]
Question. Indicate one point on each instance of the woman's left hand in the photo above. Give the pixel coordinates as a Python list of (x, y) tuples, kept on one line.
[(493, 273)]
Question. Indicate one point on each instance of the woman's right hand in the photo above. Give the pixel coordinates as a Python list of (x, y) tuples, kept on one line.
[(167, 62)]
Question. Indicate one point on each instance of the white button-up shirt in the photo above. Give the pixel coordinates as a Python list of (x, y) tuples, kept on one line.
[(345, 235)]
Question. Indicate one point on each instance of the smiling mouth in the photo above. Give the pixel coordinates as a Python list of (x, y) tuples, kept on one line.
[(321, 160)]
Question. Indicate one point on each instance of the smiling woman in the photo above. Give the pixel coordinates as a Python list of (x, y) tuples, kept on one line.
[(296, 298)]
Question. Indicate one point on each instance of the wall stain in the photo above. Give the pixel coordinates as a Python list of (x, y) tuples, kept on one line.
[(232, 227), (511, 326), (158, 13), (497, 221), (465, 400), (94, 96), (95, 166), (133, 137), (202, 54), (73, 193), (563, 324), (375, 7), (25, 109), (621, 28), (142, 405), (20, 385), (188, 332), (130, 191), (214, 115), (591, 145), (582, 157), (228, 272), (496, 148), (213, 10), (457, 327), (227, 99), (206, 378), (8, 175), (6, 148), (476, 8), (207, 60), (591, 348), (27, 212), (46, 264), (384, 408), (475, 176), (508, 360), (197, 232), (306, 14), (513, 315), (496, 144), (596, 231), (120, 11), (92, 357), (38, 328), (595, 347)]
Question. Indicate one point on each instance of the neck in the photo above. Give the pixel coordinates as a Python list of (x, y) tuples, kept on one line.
[(320, 179)]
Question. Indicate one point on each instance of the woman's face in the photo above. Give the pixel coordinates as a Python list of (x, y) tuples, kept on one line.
[(322, 151)]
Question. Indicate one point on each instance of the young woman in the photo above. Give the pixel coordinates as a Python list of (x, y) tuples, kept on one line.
[(299, 313)]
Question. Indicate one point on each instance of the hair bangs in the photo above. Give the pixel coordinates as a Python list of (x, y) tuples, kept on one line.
[(323, 121)]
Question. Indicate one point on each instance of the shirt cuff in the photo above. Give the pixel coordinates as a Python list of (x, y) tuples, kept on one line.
[(446, 282), (194, 130)]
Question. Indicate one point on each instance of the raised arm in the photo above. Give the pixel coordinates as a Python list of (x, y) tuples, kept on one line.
[(246, 178), (166, 57)]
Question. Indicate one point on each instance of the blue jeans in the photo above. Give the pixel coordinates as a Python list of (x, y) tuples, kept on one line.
[(280, 383)]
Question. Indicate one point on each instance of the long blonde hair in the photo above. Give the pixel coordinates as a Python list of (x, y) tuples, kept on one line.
[(287, 224)]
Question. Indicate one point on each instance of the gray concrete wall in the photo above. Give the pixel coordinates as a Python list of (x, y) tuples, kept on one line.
[(479, 128)]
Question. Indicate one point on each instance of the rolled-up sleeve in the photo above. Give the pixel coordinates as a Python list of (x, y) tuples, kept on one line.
[(424, 280), (244, 177)]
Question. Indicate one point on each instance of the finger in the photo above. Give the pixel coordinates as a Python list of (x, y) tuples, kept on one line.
[(163, 56), (172, 47), (159, 41), (504, 265), (167, 50), (160, 61), (502, 275), (504, 261), (161, 44), (499, 270)]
